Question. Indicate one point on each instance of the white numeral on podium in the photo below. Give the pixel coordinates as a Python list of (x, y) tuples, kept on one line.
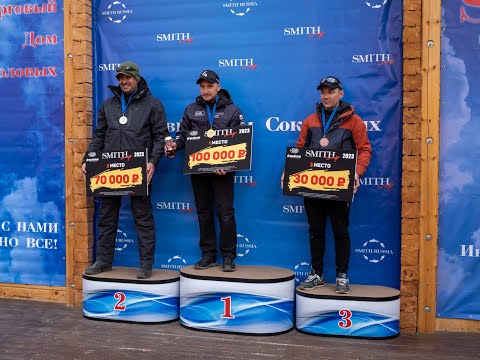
[(227, 312), (120, 305), (346, 316)]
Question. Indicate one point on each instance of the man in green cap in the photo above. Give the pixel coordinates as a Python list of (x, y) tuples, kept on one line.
[(131, 119)]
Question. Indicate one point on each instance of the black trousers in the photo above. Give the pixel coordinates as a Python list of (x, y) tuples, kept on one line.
[(108, 224), (209, 189), (339, 213)]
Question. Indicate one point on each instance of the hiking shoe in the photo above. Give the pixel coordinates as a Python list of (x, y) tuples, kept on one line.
[(228, 264), (97, 268), (205, 262), (313, 280), (342, 284), (145, 271)]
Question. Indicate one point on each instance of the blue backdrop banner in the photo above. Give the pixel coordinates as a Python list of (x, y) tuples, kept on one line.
[(270, 56), (458, 291), (32, 210)]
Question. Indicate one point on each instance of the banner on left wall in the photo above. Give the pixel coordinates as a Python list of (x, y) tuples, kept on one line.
[(32, 148)]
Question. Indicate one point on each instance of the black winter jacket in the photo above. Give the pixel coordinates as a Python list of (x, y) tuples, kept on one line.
[(195, 117), (146, 126)]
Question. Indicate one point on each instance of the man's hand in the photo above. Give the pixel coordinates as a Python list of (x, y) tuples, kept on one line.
[(173, 145), (357, 183), (219, 172), (281, 179), (84, 171), (150, 171)]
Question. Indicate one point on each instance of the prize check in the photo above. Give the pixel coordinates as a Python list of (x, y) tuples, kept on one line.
[(117, 173), (226, 149), (321, 174)]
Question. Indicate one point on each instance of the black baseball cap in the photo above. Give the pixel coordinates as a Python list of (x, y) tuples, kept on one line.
[(209, 76), (331, 82)]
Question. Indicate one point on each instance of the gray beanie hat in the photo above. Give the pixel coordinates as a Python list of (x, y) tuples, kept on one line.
[(130, 69)]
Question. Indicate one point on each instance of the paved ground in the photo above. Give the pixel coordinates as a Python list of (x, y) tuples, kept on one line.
[(39, 330)]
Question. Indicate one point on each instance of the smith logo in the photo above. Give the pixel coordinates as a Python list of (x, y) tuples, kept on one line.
[(376, 4), (302, 270), (174, 263), (180, 37), (115, 155), (181, 207), (117, 12), (380, 183), (240, 8), (107, 67), (310, 31), (245, 64), (245, 180), (380, 59), (374, 251), (293, 209)]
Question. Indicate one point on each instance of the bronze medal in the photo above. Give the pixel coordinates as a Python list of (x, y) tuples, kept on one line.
[(324, 142)]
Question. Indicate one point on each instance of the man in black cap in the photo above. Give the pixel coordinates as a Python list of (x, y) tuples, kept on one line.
[(334, 125), (212, 110), (132, 119)]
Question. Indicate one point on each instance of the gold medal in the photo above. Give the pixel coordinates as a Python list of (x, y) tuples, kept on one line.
[(210, 133), (324, 142)]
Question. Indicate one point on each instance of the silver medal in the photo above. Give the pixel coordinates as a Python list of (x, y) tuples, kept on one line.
[(123, 120)]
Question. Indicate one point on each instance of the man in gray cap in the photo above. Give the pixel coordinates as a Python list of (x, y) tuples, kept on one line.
[(131, 119)]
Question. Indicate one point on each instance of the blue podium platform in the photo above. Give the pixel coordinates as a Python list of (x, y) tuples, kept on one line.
[(251, 300), (118, 295), (371, 312)]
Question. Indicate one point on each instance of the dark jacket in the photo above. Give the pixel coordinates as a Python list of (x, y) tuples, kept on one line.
[(346, 132), (146, 126), (195, 117)]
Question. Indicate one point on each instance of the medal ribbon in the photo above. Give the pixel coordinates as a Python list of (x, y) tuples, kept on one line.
[(211, 113), (125, 105), (327, 125)]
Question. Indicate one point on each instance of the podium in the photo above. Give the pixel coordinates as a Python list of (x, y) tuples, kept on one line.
[(118, 295), (371, 312), (251, 300)]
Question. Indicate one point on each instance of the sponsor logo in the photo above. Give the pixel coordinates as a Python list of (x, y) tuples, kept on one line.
[(240, 8), (181, 38), (107, 67), (310, 31), (293, 209), (181, 207), (122, 241), (470, 251), (174, 263), (193, 133), (199, 113), (373, 125), (275, 124), (301, 271), (173, 127), (294, 151), (473, 6), (374, 251), (378, 182), (380, 59), (117, 12), (92, 154), (244, 64), (244, 245), (245, 180), (376, 4)]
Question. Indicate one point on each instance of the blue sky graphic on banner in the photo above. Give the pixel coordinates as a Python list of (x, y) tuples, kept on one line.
[(32, 210), (270, 56), (458, 291)]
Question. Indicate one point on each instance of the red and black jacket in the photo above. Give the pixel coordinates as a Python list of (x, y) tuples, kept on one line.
[(346, 132)]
